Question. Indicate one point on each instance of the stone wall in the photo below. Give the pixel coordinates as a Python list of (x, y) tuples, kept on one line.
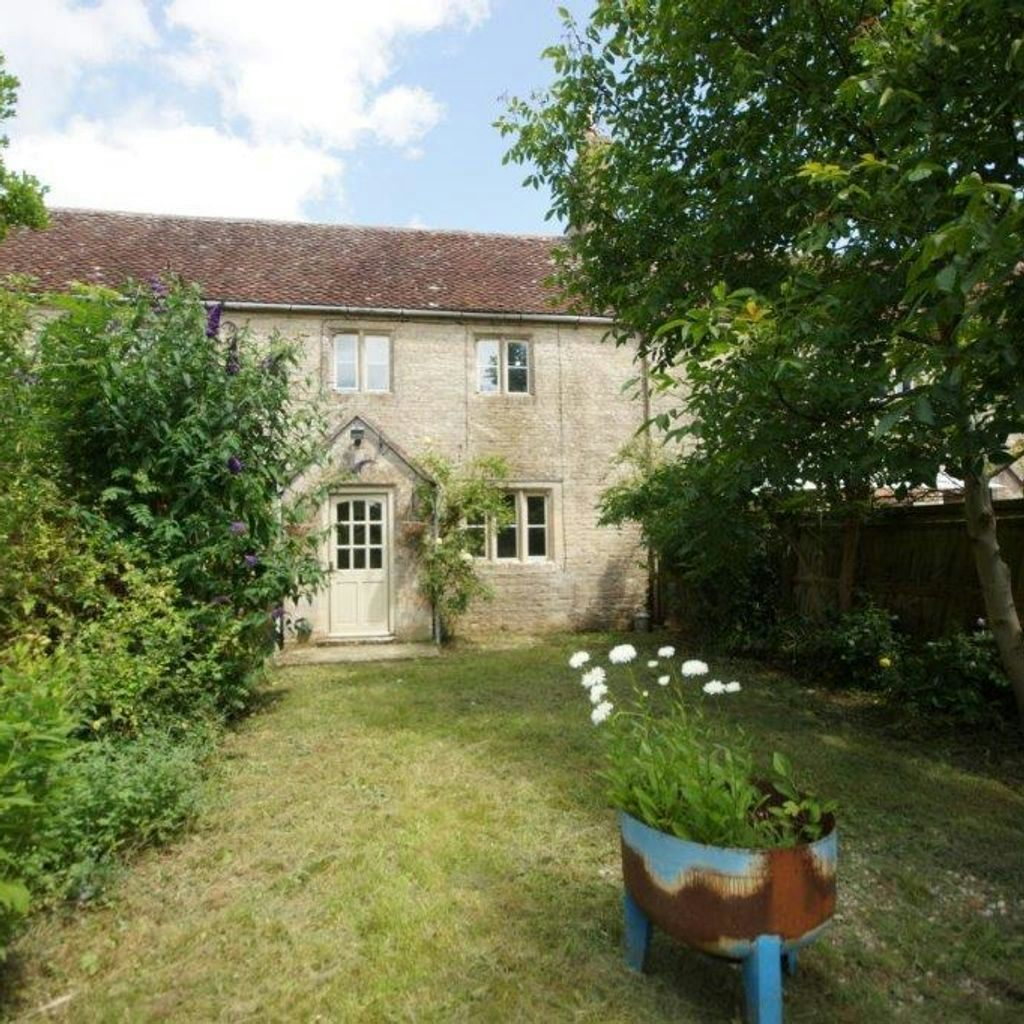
[(563, 437)]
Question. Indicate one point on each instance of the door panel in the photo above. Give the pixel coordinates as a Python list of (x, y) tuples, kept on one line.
[(360, 588)]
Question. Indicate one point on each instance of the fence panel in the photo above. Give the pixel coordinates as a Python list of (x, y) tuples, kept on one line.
[(915, 561)]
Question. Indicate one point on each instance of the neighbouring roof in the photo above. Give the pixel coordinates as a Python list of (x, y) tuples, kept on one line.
[(293, 263)]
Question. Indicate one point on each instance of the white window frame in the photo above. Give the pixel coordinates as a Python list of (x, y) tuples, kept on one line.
[(361, 363), (522, 528), (503, 342)]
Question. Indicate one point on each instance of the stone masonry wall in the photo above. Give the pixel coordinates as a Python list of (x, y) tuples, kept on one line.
[(563, 436)]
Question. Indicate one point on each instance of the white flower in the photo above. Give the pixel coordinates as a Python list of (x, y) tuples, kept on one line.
[(733, 687), (579, 659), (714, 687), (644, 693), (622, 655), (597, 693), (466, 556), (663, 680), (666, 652), (695, 668), (601, 712), (593, 677), (652, 664)]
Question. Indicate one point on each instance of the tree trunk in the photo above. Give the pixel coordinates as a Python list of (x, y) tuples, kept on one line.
[(848, 562), (994, 576)]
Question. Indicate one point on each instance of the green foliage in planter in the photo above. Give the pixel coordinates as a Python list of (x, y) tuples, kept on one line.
[(674, 765), (458, 495), (34, 740)]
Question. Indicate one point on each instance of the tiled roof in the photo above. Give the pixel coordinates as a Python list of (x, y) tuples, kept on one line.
[(293, 263)]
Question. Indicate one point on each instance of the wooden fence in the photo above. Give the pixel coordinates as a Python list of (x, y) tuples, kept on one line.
[(915, 561)]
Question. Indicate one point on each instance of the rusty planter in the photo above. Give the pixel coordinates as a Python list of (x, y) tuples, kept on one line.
[(758, 906)]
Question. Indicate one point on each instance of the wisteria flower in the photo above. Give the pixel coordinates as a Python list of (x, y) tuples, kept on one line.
[(237, 527), (593, 677), (622, 655), (695, 668), (579, 659), (252, 561), (235, 465), (213, 320), (652, 664), (663, 680), (666, 652), (733, 687), (597, 693), (714, 687), (601, 712)]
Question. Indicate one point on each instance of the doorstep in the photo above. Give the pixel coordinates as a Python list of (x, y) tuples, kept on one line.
[(352, 651)]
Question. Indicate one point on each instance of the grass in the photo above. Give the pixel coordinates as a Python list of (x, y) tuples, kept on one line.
[(426, 841)]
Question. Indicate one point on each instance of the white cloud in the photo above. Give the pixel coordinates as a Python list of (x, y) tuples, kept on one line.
[(313, 68), (267, 94), (50, 44), (403, 115), (169, 167)]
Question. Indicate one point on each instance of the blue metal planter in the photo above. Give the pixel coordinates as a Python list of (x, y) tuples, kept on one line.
[(754, 906)]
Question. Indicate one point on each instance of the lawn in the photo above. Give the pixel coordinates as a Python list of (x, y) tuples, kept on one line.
[(427, 841)]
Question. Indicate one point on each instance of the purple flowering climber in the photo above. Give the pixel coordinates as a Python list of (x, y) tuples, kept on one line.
[(278, 613), (157, 288), (238, 527), (252, 561), (213, 320), (235, 464)]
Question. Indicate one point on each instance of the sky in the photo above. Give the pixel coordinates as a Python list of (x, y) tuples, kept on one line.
[(343, 111)]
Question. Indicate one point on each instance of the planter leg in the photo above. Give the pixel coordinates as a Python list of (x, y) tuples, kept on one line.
[(638, 933), (789, 961), (762, 979)]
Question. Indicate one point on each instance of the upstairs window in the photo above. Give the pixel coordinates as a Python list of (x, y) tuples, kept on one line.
[(524, 537), (362, 362), (503, 366)]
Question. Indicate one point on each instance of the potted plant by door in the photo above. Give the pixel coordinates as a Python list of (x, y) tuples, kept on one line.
[(729, 856), (303, 630)]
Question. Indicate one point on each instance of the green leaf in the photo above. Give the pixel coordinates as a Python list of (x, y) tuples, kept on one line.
[(945, 279)]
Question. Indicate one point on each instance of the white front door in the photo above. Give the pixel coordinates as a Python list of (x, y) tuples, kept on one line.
[(360, 589)]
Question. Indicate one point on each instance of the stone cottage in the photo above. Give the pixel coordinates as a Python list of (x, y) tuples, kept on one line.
[(422, 340)]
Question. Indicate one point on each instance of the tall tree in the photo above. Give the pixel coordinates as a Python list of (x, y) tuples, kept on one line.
[(852, 169), (21, 195)]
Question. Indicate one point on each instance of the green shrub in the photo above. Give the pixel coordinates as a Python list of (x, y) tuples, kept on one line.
[(960, 677), (861, 649), (34, 728), (114, 797)]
